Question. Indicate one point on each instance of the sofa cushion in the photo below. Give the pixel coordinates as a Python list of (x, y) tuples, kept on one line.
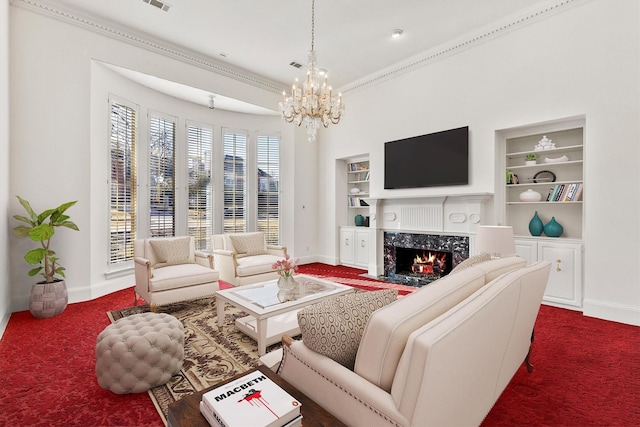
[(171, 251), (333, 327), (256, 264), (470, 262), (387, 331), (179, 276), (249, 243)]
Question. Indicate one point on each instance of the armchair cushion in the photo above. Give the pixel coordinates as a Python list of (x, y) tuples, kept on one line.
[(171, 251), (334, 327), (249, 243), (181, 276)]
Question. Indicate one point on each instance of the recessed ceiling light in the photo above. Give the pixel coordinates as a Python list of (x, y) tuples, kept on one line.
[(396, 33)]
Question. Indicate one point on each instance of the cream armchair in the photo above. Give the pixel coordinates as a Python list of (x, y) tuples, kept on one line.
[(170, 270), (245, 258)]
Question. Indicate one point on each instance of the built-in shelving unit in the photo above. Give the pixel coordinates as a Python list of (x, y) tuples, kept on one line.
[(545, 177), (565, 253), (357, 186)]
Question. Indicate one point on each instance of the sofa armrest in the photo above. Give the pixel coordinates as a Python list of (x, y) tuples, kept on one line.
[(225, 262), (142, 269), (348, 396), (205, 259), (277, 250)]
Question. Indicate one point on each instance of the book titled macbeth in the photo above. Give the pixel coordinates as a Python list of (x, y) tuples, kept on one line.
[(252, 400)]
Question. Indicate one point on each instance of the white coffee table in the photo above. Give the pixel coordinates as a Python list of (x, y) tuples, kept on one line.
[(268, 318)]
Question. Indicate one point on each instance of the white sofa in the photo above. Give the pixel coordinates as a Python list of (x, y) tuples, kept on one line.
[(245, 258), (172, 271), (439, 356)]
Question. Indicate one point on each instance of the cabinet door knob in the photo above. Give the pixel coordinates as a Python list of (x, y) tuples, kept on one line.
[(346, 242), (558, 261), (362, 243)]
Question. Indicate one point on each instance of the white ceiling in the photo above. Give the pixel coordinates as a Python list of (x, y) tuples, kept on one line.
[(352, 37)]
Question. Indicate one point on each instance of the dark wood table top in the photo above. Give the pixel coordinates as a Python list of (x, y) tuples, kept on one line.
[(186, 411)]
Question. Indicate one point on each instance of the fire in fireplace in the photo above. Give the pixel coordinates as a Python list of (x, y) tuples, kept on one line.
[(423, 263)]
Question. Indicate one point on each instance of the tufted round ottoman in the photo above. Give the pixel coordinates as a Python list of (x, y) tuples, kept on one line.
[(139, 352)]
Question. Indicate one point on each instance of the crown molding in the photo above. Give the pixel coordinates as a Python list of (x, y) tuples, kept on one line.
[(127, 35), (539, 11)]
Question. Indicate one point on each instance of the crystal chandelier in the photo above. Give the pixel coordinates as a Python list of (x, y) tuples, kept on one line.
[(313, 103)]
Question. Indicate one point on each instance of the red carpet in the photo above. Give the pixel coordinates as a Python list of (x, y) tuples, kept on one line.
[(587, 371)]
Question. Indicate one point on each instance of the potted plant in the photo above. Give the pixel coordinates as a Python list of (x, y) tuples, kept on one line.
[(530, 159), (49, 297)]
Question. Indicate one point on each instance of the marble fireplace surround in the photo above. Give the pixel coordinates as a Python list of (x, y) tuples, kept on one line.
[(441, 221)]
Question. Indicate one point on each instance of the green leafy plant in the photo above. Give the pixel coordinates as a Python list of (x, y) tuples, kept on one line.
[(530, 157), (40, 228)]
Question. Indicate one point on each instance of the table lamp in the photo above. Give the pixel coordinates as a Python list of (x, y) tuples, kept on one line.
[(495, 240)]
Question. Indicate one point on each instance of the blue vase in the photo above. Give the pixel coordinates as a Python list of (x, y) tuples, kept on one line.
[(553, 228), (535, 225), (359, 220)]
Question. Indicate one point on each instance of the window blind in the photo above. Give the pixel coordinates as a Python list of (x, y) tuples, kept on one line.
[(200, 217), (235, 181), (122, 183), (268, 159), (161, 176)]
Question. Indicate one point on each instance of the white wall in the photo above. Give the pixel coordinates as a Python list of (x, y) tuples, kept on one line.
[(584, 60), (58, 148), (5, 291)]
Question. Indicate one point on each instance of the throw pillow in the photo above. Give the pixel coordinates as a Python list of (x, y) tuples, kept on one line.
[(471, 261), (334, 327), (172, 251), (249, 244)]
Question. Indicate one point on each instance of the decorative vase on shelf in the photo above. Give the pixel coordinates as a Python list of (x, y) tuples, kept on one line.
[(530, 196), (535, 225), (359, 220), (553, 228)]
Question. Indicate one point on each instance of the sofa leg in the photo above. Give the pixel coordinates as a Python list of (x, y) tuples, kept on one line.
[(135, 297), (153, 308), (527, 361)]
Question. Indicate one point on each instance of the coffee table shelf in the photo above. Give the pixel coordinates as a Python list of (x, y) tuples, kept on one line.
[(268, 323)]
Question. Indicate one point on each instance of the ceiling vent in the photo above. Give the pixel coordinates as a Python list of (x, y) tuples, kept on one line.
[(295, 64), (160, 5)]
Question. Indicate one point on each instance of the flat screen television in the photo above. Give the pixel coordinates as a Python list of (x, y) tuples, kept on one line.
[(432, 160)]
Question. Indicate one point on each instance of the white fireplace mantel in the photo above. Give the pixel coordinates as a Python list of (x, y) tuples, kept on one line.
[(458, 214)]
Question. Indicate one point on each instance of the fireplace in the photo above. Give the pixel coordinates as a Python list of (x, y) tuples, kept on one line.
[(423, 264), (419, 259)]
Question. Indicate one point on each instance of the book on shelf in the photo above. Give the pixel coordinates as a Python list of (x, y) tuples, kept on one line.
[(570, 193), (559, 193), (578, 194), (251, 400), (565, 192)]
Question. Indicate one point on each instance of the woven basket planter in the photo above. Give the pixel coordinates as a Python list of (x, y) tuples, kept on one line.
[(48, 299)]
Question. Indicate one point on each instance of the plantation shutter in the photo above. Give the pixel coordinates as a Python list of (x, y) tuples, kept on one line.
[(161, 176), (268, 158), (122, 183), (200, 218), (235, 181)]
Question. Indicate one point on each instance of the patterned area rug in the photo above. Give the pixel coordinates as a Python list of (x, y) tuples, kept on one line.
[(210, 355)]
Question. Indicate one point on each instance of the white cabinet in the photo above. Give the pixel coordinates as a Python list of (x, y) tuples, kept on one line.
[(564, 288), (347, 251), (354, 246)]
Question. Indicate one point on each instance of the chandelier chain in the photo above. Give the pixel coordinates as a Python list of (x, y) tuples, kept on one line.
[(313, 23)]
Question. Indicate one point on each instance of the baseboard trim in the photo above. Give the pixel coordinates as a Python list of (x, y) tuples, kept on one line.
[(609, 311)]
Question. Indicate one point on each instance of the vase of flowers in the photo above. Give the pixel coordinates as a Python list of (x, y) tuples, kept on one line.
[(286, 268)]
